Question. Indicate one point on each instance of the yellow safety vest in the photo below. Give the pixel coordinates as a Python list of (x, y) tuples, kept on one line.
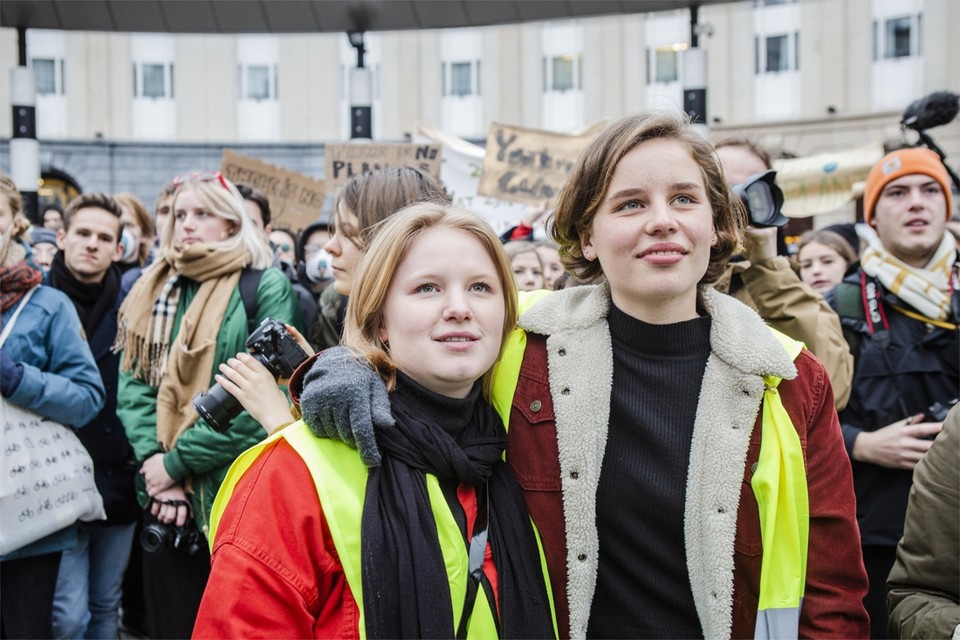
[(341, 478), (779, 486)]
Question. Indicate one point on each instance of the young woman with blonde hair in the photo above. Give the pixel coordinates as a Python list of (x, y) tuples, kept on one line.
[(183, 317), (435, 541)]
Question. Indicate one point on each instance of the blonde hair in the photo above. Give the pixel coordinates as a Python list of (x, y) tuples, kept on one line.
[(387, 251), (586, 187), (222, 198), (19, 225)]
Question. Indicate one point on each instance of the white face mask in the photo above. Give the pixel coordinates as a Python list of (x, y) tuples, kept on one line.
[(319, 267), (129, 248)]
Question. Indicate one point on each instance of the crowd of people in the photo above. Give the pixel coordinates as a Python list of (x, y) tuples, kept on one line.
[(649, 419)]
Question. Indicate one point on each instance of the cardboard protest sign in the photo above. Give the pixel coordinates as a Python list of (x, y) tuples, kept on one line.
[(460, 173), (296, 200), (347, 160), (823, 182), (529, 165)]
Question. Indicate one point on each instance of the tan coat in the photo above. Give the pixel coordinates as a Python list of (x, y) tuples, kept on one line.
[(775, 291)]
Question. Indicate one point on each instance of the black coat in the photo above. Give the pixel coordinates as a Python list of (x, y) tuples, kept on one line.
[(893, 379)]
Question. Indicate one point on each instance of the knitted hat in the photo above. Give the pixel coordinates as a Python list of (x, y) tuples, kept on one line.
[(904, 162), (39, 235)]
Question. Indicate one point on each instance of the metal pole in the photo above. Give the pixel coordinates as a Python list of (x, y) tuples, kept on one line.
[(361, 92), (695, 76), (24, 148)]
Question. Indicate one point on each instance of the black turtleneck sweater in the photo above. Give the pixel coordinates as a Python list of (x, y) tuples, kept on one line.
[(643, 589)]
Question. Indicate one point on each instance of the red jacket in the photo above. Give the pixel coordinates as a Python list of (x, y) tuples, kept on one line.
[(836, 580), (275, 572)]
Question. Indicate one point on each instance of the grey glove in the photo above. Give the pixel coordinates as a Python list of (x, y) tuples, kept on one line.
[(344, 399)]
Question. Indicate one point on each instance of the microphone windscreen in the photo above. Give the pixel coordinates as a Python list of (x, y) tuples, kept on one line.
[(937, 109)]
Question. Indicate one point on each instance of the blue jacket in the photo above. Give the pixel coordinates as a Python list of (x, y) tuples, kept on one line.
[(60, 378)]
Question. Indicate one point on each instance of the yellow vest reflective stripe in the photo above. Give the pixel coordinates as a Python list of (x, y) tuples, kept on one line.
[(340, 480), (779, 486)]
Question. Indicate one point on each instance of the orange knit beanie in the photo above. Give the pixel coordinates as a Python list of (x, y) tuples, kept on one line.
[(904, 162)]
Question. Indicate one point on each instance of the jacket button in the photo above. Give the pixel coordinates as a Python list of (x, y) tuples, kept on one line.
[(562, 352), (582, 557), (536, 405), (574, 474), (565, 391), (753, 468)]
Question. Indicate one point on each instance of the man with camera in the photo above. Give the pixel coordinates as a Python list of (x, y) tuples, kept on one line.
[(900, 310), (765, 279), (88, 592)]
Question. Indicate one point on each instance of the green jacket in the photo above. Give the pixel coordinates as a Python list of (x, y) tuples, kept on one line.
[(200, 453)]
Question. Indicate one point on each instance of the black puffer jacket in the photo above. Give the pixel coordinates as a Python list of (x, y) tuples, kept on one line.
[(897, 374)]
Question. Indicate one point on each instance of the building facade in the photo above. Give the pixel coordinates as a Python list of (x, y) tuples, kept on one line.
[(804, 76)]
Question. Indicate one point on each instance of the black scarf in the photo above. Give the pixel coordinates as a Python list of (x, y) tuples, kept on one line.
[(405, 589), (91, 300)]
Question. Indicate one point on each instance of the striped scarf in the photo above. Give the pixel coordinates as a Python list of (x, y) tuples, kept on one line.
[(928, 289)]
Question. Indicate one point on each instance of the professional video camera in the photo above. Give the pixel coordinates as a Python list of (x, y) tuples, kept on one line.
[(762, 198), (275, 348)]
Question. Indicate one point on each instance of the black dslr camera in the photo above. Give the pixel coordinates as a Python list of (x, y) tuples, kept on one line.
[(276, 349), (158, 536), (762, 198)]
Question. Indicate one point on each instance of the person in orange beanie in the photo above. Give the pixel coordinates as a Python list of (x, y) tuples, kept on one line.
[(900, 311)]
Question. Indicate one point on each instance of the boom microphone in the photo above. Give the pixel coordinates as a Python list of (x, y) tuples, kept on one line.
[(937, 109)]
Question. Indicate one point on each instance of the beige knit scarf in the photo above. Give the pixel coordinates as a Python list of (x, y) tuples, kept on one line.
[(928, 289), (180, 367)]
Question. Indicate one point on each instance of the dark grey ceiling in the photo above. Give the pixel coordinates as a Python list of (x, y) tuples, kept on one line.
[(305, 16)]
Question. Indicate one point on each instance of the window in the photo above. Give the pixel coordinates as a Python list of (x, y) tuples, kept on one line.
[(777, 59), (258, 82), (562, 73), (775, 54), (666, 61), (460, 79), (153, 86), (897, 38), (45, 71)]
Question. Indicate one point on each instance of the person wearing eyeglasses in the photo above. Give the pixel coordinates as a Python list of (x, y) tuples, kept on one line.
[(184, 316)]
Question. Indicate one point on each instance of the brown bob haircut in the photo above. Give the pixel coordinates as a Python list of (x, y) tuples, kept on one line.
[(588, 183), (387, 250), (375, 196), (144, 220)]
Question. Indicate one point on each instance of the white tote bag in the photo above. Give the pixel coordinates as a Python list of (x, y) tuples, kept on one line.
[(47, 473)]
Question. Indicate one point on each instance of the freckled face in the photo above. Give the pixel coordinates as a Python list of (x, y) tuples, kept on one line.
[(653, 231)]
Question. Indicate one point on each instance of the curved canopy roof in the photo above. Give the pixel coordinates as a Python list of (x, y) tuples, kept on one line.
[(306, 16)]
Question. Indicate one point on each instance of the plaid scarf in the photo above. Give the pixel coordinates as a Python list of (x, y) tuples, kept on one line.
[(928, 289), (178, 366), (17, 274)]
